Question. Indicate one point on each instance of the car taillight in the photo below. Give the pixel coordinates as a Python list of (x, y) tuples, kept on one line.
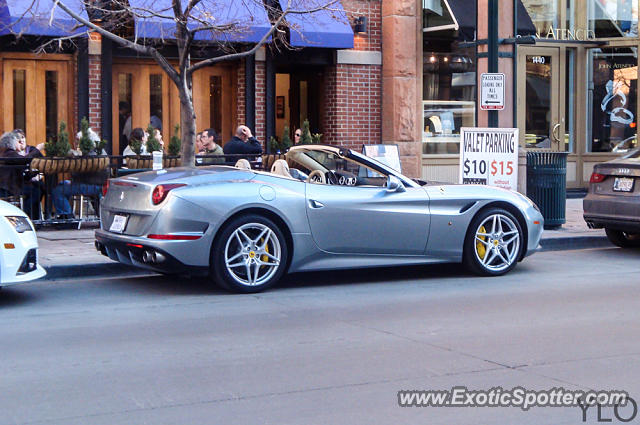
[(160, 192), (596, 177), (105, 188)]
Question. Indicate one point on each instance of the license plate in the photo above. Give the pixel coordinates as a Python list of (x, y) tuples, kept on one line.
[(623, 184), (118, 224)]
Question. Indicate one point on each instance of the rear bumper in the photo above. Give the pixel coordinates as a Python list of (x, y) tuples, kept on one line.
[(615, 212), (143, 253)]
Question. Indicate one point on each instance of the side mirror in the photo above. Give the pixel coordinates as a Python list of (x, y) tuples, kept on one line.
[(394, 184)]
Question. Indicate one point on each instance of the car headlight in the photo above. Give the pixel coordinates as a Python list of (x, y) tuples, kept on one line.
[(21, 224)]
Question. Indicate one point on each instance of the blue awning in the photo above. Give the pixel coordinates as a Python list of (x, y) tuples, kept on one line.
[(324, 28), (249, 16), (31, 17)]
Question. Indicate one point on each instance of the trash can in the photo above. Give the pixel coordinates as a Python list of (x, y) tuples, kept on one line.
[(547, 185)]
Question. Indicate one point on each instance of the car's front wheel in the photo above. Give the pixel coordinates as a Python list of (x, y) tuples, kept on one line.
[(493, 243), (623, 239), (250, 254)]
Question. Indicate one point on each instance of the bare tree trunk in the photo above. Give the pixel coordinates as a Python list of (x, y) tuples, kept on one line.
[(187, 122)]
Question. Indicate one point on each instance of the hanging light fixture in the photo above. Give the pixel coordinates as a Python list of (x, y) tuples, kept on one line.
[(360, 26)]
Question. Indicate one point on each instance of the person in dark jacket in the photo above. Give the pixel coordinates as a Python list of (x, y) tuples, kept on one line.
[(15, 180), (243, 143)]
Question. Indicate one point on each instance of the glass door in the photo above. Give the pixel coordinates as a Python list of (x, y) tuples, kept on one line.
[(541, 103)]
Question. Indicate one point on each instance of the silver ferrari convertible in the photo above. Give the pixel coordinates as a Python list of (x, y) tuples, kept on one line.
[(319, 208)]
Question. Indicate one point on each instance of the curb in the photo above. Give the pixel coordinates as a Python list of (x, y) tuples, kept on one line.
[(575, 242), (118, 270), (94, 271)]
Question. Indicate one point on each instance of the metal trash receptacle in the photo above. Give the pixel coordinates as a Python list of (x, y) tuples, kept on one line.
[(547, 185)]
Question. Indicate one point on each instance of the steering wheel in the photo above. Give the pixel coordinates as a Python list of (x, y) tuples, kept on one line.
[(316, 176)]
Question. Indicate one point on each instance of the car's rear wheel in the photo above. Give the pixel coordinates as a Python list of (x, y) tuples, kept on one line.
[(249, 255), (493, 243), (623, 239)]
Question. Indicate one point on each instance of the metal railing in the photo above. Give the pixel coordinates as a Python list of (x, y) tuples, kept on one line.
[(56, 191)]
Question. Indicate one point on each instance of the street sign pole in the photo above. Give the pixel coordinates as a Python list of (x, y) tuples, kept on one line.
[(493, 51)]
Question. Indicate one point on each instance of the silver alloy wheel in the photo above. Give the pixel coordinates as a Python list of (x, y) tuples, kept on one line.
[(252, 254), (497, 242)]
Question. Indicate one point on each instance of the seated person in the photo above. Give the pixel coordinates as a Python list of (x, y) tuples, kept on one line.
[(208, 146), (14, 180), (87, 184), (137, 135), (243, 143)]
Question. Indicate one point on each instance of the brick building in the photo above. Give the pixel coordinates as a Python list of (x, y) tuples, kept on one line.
[(406, 75)]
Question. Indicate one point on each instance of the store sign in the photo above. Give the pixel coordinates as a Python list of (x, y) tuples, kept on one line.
[(578, 34), (489, 156), (492, 91)]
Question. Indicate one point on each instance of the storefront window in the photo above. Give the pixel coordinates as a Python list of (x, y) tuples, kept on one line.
[(449, 93), (613, 18), (124, 108), (215, 104), (544, 14), (436, 15), (614, 83), (155, 100), (19, 99), (51, 103)]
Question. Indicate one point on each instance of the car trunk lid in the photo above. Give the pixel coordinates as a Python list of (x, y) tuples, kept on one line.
[(130, 197)]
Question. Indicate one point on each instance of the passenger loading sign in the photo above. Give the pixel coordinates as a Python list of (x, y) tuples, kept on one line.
[(492, 91), (489, 156)]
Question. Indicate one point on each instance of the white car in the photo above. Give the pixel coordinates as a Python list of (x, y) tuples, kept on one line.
[(19, 249)]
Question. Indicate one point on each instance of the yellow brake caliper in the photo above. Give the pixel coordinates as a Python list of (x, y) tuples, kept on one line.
[(266, 249), (480, 247)]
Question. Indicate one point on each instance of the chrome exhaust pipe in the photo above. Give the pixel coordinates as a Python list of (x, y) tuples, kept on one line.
[(147, 257), (157, 257)]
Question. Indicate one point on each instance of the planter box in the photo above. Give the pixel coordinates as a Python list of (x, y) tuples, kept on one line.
[(141, 162), (77, 164)]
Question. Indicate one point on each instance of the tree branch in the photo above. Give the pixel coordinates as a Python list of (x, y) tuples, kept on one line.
[(146, 50), (193, 68)]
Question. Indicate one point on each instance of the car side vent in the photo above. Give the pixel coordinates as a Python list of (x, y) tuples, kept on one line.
[(467, 207)]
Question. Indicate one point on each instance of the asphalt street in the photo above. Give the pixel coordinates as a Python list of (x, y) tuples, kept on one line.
[(323, 348)]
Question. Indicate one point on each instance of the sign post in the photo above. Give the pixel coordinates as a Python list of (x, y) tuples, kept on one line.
[(489, 156), (492, 92)]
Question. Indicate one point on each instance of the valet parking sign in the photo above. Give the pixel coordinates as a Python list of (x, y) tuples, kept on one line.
[(489, 156)]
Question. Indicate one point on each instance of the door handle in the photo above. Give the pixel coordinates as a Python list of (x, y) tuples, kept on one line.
[(315, 204), (555, 134)]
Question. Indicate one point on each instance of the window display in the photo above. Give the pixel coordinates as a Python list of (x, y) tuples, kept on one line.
[(449, 93), (614, 78)]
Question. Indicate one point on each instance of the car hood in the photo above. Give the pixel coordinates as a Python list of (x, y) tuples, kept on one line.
[(191, 175)]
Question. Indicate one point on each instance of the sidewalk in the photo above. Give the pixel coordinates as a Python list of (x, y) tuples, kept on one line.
[(71, 253)]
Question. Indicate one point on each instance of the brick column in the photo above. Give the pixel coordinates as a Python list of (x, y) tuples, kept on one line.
[(95, 76), (240, 96), (401, 121), (352, 112), (260, 94)]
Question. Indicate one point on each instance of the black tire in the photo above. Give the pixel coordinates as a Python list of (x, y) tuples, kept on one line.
[(623, 239), (498, 246), (262, 270)]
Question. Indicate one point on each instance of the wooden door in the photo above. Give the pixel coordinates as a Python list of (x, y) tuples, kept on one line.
[(148, 91), (36, 97), (213, 101)]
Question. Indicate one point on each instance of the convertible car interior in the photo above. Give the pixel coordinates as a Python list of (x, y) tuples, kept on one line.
[(319, 166)]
